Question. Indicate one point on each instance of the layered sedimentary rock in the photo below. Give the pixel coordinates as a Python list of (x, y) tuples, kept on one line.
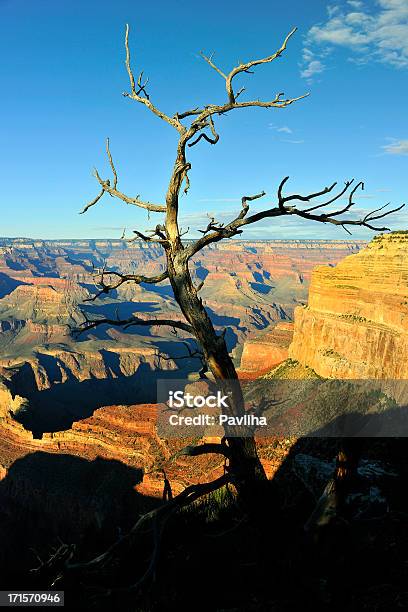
[(355, 324), (248, 288), (265, 351), (123, 433)]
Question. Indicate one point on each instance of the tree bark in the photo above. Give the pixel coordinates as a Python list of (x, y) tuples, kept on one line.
[(244, 464)]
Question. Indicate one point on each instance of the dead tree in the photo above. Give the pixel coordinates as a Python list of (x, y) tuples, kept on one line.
[(197, 126)]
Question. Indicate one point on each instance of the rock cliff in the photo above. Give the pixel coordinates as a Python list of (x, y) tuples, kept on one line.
[(123, 433), (265, 351), (355, 324)]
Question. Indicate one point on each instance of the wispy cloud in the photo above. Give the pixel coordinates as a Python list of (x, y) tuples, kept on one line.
[(280, 128), (376, 31), (312, 67), (284, 129), (398, 147), (293, 141)]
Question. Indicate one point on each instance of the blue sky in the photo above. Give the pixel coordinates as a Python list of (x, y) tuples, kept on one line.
[(63, 73)]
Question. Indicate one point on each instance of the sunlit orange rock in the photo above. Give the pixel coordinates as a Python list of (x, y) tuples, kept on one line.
[(355, 324)]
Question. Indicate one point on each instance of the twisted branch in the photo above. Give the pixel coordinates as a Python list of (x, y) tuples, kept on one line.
[(60, 564), (89, 324), (124, 278), (135, 95), (282, 209), (114, 192), (246, 68)]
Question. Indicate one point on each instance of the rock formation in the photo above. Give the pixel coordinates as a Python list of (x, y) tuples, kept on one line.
[(355, 324), (261, 353), (248, 288)]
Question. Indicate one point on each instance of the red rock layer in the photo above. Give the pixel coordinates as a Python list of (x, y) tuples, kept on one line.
[(265, 351), (356, 322)]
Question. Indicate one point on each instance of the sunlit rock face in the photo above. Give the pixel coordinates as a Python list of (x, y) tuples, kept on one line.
[(265, 351), (355, 324)]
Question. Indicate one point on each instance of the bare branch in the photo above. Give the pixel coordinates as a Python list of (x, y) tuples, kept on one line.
[(142, 86), (332, 217), (93, 202), (219, 231), (336, 197), (307, 198), (213, 225), (371, 216), (245, 67), (188, 113), (132, 201), (191, 354), (115, 176), (135, 94), (124, 278), (350, 201), (189, 495), (211, 63), (245, 206), (127, 62), (60, 564), (185, 177), (335, 217), (213, 140), (113, 191), (89, 324), (275, 103), (145, 238)]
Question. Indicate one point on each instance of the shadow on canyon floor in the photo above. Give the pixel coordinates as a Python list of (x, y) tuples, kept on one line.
[(45, 497), (213, 555), (57, 408), (8, 284)]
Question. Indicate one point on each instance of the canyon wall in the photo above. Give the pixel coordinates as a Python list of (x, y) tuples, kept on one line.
[(266, 350), (355, 324), (249, 287), (117, 433)]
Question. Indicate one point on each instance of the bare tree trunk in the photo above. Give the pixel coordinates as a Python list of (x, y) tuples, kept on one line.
[(245, 465)]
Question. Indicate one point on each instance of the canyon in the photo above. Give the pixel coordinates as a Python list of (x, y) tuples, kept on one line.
[(92, 397), (96, 395), (44, 288), (78, 414)]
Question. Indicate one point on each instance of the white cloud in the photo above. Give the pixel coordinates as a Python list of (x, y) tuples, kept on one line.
[(398, 147), (312, 68), (307, 55), (280, 128), (284, 129), (379, 33)]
